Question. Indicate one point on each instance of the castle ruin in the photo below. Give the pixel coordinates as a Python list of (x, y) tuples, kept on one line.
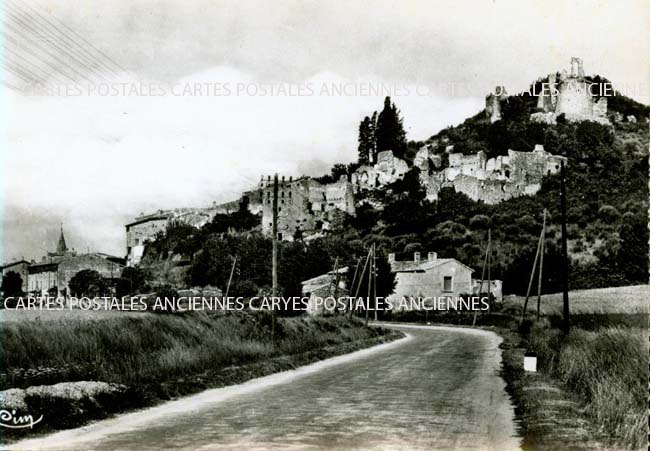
[(489, 180), (570, 94), (305, 205)]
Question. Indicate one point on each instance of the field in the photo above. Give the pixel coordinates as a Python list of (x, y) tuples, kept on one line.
[(10, 316), (617, 300), (602, 365)]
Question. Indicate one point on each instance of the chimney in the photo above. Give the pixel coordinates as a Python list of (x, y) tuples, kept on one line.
[(416, 257), (391, 258), (432, 257)]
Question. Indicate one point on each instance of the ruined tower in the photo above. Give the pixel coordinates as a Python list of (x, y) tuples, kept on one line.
[(576, 67), (493, 103)]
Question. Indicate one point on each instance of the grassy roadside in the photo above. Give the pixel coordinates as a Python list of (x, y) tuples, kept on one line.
[(591, 388), (590, 392), (143, 361)]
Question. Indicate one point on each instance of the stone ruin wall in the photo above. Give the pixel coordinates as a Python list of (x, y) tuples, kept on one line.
[(489, 180), (305, 204), (572, 99), (387, 170)]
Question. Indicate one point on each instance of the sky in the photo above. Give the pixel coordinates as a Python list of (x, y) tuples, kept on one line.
[(144, 105)]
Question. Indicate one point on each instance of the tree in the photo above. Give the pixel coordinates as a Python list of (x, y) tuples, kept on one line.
[(633, 252), (373, 136), (389, 133), (87, 282), (365, 148), (133, 280), (12, 284)]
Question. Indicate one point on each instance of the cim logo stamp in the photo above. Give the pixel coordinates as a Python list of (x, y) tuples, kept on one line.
[(9, 419)]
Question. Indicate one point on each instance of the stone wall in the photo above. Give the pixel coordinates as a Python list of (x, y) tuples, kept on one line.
[(68, 267), (387, 170), (306, 205), (493, 180)]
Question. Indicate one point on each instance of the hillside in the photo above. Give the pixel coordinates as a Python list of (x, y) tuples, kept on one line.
[(607, 188)]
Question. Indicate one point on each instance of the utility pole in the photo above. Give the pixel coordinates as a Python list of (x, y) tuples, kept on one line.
[(274, 266), (363, 272), (489, 269), (485, 262), (532, 276), (541, 266), (354, 279), (232, 271), (566, 325), (374, 272), (371, 256), (335, 280)]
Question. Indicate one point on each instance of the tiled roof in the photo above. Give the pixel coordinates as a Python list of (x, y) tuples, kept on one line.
[(422, 265), (324, 278)]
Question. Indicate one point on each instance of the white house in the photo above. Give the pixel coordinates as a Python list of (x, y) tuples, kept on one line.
[(433, 277)]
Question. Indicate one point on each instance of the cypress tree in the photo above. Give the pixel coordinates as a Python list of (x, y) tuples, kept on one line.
[(389, 132)]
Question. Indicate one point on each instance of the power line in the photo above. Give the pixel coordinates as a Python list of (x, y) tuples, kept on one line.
[(53, 56), (21, 73), (52, 40), (97, 62), (31, 52), (73, 32), (43, 74)]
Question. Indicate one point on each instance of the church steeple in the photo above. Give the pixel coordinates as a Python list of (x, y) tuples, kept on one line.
[(61, 248)]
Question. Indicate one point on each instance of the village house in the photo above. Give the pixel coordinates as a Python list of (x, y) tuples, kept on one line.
[(20, 268), (52, 275), (429, 278), (432, 277), (494, 287), (323, 286)]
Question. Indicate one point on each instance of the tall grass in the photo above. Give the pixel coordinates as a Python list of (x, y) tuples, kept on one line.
[(156, 348), (608, 368)]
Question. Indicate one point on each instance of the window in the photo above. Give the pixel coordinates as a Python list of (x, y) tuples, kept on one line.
[(447, 284), (279, 236)]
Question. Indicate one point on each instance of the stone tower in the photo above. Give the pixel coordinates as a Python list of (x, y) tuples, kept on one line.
[(576, 67)]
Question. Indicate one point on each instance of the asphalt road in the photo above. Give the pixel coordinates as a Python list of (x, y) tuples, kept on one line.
[(437, 389)]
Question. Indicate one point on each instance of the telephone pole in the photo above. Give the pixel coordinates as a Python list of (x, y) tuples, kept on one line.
[(356, 293), (232, 271), (371, 256), (532, 276), (489, 270), (274, 266), (566, 325), (485, 262), (374, 272), (541, 266)]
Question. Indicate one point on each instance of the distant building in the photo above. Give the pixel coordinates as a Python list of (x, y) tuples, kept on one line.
[(432, 277), (304, 205), (144, 228), (52, 275), (20, 268), (324, 286), (495, 288)]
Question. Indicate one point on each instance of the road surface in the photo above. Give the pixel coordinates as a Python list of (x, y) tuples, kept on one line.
[(437, 389)]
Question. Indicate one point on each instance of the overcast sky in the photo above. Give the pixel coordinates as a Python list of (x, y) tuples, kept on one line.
[(93, 159)]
